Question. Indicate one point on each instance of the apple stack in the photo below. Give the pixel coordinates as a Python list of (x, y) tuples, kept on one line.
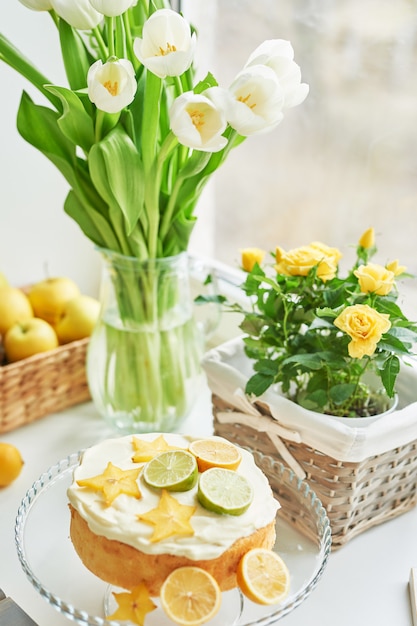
[(44, 332), (50, 313)]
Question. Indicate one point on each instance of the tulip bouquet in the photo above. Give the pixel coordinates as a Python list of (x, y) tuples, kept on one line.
[(133, 134), (323, 337), (137, 137)]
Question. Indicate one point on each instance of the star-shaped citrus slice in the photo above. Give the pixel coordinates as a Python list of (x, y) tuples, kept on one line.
[(170, 517), (147, 450), (113, 482), (133, 606)]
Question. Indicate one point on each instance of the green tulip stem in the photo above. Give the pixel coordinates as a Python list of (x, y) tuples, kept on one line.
[(129, 41), (110, 35), (150, 122), (54, 17), (169, 212), (152, 349), (104, 52)]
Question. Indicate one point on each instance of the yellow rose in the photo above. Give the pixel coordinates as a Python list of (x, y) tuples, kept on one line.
[(367, 240), (300, 261), (332, 255), (250, 256), (396, 268), (328, 266), (375, 278), (279, 253), (365, 326)]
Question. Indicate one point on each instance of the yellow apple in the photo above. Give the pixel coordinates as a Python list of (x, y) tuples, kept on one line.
[(48, 297), (14, 307), (25, 339), (78, 319), (3, 280)]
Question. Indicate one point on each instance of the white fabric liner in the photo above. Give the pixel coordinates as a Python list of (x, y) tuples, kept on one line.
[(228, 369)]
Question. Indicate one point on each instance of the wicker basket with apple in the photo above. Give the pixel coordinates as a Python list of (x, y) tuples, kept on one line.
[(44, 334)]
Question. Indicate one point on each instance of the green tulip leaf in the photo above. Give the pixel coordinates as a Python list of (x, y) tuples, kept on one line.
[(38, 125), (117, 173), (75, 122), (195, 164), (179, 232), (91, 222), (206, 83), (75, 55)]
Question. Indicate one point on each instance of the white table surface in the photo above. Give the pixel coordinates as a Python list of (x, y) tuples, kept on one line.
[(364, 584)]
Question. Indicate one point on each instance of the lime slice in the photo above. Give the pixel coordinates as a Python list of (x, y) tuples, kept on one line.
[(224, 491), (174, 470)]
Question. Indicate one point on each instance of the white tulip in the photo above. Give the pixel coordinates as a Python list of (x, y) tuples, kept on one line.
[(77, 13), (167, 46), (37, 5), (112, 8), (197, 122), (253, 103), (278, 54), (269, 49), (112, 85)]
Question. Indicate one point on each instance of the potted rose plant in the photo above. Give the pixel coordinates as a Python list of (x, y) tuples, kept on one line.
[(334, 344), (295, 385)]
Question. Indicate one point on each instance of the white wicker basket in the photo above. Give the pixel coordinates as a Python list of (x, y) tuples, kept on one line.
[(364, 475)]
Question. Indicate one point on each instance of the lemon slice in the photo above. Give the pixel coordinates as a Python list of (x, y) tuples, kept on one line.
[(174, 470), (190, 596), (216, 452), (224, 491), (263, 577)]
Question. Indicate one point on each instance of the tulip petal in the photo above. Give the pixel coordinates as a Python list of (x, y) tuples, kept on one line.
[(79, 14), (268, 49), (37, 5), (254, 101), (278, 54), (167, 46), (197, 123), (112, 85), (112, 8)]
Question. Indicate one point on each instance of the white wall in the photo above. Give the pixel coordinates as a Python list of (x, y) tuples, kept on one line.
[(36, 237)]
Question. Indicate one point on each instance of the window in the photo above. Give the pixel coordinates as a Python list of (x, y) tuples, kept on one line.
[(345, 159)]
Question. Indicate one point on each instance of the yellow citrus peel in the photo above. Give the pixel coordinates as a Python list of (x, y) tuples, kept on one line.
[(190, 596), (263, 577)]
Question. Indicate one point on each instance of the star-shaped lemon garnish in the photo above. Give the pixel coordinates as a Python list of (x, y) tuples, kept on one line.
[(170, 517), (146, 450), (114, 481), (134, 605)]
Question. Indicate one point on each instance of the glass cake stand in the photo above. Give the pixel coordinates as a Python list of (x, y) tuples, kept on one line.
[(51, 564)]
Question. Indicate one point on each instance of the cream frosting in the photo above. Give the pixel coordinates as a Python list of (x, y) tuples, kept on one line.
[(213, 533)]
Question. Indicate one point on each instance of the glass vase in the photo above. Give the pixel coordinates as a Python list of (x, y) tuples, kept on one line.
[(143, 361)]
